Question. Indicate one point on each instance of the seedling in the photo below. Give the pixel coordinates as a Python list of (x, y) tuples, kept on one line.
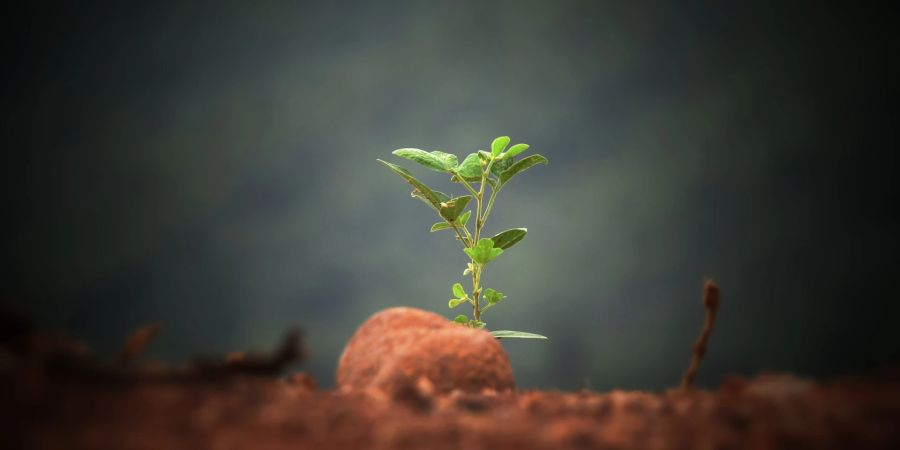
[(494, 169)]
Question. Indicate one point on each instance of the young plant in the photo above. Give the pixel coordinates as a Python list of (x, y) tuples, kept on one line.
[(494, 169)]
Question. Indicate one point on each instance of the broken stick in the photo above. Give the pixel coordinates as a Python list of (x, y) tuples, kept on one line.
[(711, 303)]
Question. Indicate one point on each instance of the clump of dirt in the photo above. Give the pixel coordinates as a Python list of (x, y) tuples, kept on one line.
[(399, 349)]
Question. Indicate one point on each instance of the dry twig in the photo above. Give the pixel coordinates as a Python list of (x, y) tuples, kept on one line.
[(711, 303)]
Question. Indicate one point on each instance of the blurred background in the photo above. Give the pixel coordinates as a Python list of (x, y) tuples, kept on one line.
[(212, 167)]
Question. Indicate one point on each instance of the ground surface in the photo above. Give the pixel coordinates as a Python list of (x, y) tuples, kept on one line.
[(55, 395), (253, 412)]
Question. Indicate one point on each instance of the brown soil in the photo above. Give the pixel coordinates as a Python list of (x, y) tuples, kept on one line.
[(768, 412), (54, 395)]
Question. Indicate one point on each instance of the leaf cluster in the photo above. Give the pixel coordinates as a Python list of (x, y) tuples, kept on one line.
[(477, 171)]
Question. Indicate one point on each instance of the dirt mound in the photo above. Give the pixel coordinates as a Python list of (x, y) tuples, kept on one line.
[(402, 347)]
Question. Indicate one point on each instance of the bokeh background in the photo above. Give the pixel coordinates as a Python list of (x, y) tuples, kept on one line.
[(212, 167)]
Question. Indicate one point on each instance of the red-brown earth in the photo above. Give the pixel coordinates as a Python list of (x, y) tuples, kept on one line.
[(54, 395), (398, 347)]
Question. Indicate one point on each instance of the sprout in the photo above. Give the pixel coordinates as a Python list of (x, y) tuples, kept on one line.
[(482, 169)]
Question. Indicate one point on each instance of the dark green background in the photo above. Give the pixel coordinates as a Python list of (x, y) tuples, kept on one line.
[(212, 167)]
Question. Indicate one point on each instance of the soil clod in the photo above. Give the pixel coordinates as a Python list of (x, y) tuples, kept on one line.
[(398, 346)]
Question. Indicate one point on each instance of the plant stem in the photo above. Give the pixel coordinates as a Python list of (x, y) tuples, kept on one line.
[(490, 204), (466, 184), (471, 244), (476, 302), (462, 239), (476, 274), (479, 218), (479, 224)]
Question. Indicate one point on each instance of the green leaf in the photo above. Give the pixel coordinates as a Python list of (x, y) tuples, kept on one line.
[(440, 226), (470, 168), (508, 238), (485, 156), (484, 251), (501, 165), (501, 334), (499, 145), (461, 319), (448, 160), (421, 189), (454, 302), (458, 290), (514, 150), (442, 197), (477, 324), (469, 269), (520, 166), (436, 160), (451, 209), (493, 296), (461, 220)]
